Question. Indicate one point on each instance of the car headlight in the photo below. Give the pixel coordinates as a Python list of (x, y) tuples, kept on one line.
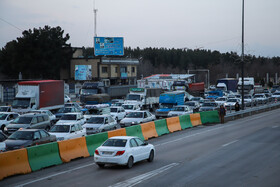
[(134, 122), (5, 129)]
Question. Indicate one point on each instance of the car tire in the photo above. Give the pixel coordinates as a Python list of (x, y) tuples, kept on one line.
[(101, 165), (151, 156), (2, 128), (129, 162)]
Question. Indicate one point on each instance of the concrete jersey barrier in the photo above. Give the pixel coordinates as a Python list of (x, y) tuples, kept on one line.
[(185, 121), (149, 130), (134, 131), (161, 127), (42, 156), (173, 124), (195, 119), (210, 117), (117, 132), (95, 140)]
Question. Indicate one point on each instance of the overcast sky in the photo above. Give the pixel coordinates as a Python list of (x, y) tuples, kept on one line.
[(205, 24)]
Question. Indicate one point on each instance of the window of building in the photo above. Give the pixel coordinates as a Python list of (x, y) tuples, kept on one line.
[(116, 69), (104, 69), (133, 69)]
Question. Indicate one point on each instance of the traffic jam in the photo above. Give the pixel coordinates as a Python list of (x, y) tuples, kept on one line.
[(41, 112)]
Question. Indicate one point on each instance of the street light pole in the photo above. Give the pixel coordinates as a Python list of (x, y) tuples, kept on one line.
[(242, 56)]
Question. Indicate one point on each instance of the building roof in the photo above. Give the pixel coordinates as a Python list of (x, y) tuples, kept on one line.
[(130, 61), (170, 76)]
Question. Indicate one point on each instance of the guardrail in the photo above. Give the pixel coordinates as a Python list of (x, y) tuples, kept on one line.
[(251, 111)]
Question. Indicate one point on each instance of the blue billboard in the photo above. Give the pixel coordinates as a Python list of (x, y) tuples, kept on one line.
[(83, 72), (108, 46)]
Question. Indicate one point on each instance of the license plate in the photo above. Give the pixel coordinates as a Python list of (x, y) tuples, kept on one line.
[(107, 153)]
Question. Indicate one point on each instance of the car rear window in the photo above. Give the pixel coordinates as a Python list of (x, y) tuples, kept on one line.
[(115, 143)]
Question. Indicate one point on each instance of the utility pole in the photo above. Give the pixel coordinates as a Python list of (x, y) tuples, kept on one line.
[(242, 57), (95, 16)]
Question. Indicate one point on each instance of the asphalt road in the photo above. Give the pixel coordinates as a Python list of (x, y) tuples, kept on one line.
[(245, 152)]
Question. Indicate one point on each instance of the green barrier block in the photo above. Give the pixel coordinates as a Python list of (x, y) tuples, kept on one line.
[(42, 156), (161, 127), (185, 121), (95, 140), (134, 131), (210, 117)]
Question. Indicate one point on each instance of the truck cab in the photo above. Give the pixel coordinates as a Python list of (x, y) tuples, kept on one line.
[(24, 101)]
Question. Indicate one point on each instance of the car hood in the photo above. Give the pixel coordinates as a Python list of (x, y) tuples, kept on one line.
[(129, 120), (176, 112), (14, 125), (230, 103), (59, 134), (207, 107), (17, 143), (66, 122), (163, 110), (91, 125)]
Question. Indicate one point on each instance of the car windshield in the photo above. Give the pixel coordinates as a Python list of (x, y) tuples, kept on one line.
[(195, 99), (128, 107), (232, 100), (115, 143), (209, 104), (60, 128), (190, 104), (258, 96), (23, 120), (166, 105), (69, 105), (247, 97), (96, 120), (221, 99), (3, 108), (135, 115), (21, 135), (133, 97), (3, 116), (178, 109), (64, 110), (118, 104), (21, 102), (113, 110), (88, 91), (68, 117), (277, 93)]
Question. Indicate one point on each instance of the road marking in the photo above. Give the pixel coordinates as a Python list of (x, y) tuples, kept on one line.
[(43, 178), (229, 143), (275, 126), (136, 180)]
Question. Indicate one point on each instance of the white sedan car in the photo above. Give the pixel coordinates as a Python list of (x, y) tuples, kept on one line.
[(6, 118), (100, 123), (123, 150), (72, 118), (117, 112), (67, 131), (180, 110), (137, 117)]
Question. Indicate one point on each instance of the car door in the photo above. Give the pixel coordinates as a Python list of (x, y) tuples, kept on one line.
[(122, 113), (144, 150), (135, 150), (145, 117), (106, 124), (37, 140), (112, 123), (34, 123), (45, 137)]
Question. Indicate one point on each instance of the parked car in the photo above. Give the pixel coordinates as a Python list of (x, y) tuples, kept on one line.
[(180, 110), (100, 123), (229, 105), (6, 118), (67, 131), (117, 112), (250, 100), (137, 117), (5, 108), (76, 105), (221, 101), (29, 121), (194, 105), (65, 110), (123, 150), (208, 106), (261, 98), (49, 113), (131, 107), (3, 137), (276, 96), (67, 99), (28, 137)]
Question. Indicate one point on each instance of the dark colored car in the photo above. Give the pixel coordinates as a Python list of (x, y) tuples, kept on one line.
[(28, 137)]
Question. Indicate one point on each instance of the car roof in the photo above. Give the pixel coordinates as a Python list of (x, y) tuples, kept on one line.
[(103, 115), (31, 130), (8, 113), (72, 113), (123, 137), (33, 114)]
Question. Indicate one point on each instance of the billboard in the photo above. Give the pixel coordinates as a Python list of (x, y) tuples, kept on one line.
[(108, 46), (83, 72)]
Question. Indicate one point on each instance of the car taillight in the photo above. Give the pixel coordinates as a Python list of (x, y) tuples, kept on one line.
[(119, 153), (96, 152)]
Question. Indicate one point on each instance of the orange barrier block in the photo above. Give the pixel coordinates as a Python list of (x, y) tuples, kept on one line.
[(118, 132), (195, 119), (73, 148), (173, 124), (14, 162), (149, 130)]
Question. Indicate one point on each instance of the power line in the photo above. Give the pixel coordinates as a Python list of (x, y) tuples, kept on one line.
[(11, 24)]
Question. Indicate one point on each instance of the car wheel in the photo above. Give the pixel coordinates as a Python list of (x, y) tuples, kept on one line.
[(151, 157), (115, 128), (2, 128), (130, 162), (101, 165)]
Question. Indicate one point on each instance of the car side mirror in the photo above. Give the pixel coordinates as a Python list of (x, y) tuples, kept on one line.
[(36, 139), (72, 131), (144, 144)]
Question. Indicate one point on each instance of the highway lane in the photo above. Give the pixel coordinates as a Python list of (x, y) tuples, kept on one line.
[(245, 152)]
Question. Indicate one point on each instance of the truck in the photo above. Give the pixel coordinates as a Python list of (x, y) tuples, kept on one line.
[(41, 94), (249, 83), (196, 89), (227, 84), (214, 94), (146, 98), (166, 102), (99, 92)]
